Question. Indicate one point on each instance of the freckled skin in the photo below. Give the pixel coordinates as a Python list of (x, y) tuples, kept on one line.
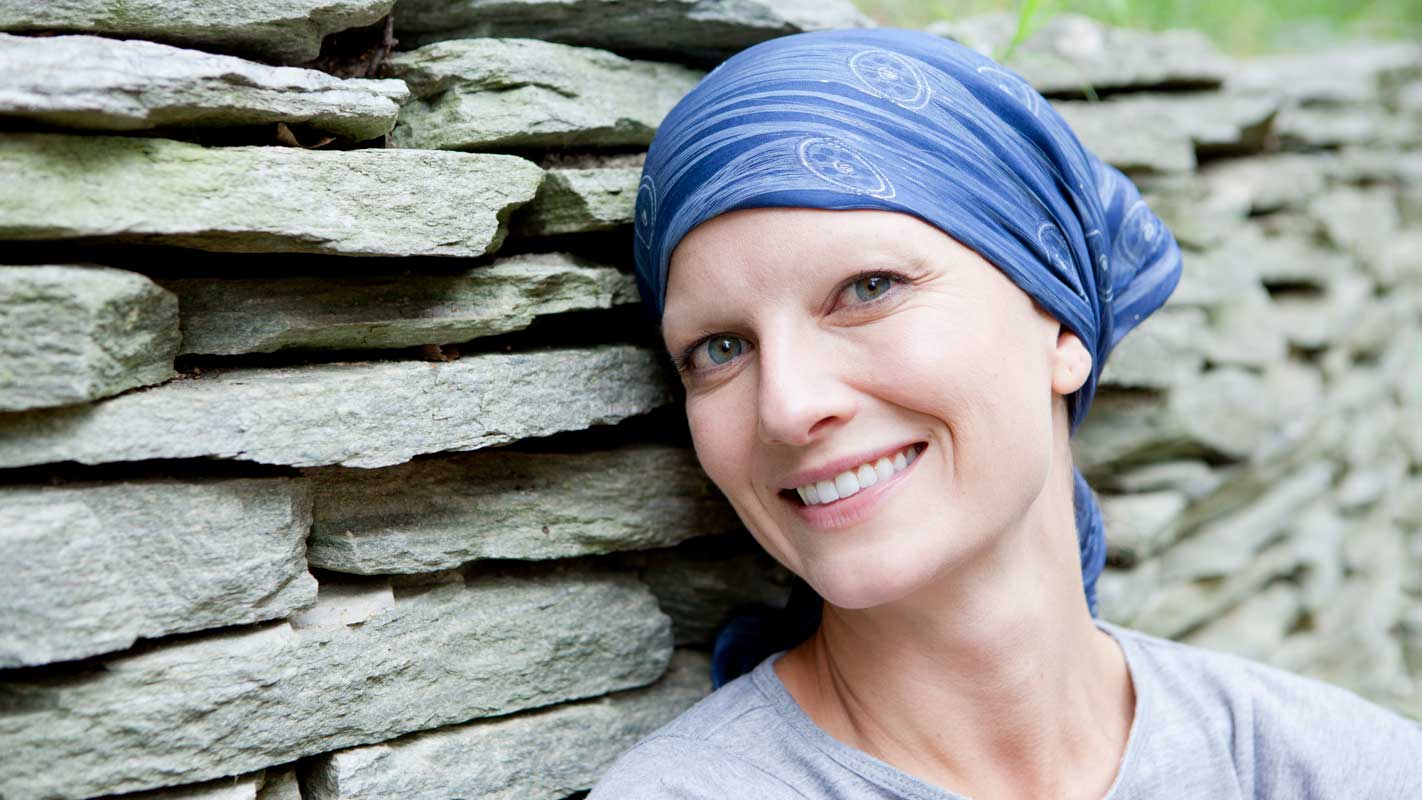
[(958, 357)]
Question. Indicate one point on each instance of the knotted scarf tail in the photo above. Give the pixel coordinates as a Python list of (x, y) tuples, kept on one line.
[(758, 631)]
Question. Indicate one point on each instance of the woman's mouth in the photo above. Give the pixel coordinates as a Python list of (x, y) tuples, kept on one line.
[(853, 494)]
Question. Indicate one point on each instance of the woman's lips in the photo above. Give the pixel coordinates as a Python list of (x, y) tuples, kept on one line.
[(850, 510)]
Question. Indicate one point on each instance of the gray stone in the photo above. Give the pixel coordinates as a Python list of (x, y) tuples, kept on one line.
[(1347, 75), (238, 787), (1318, 320), (259, 199), (1162, 132), (1195, 479), (548, 753), (434, 514), (1129, 137), (1123, 427), (1173, 608), (94, 567), (702, 32), (1255, 628), (1164, 350), (496, 643), (1355, 627), (78, 333), (1198, 215), (1214, 277), (702, 583), (1226, 411), (574, 200), (1139, 525), (1399, 260), (279, 783), (108, 84), (347, 604), (357, 414), (1070, 52), (1227, 545), (1308, 127), (1317, 536), (478, 94), (1270, 182), (287, 31), (1289, 259), (1245, 331), (1360, 220), (1229, 412), (227, 316), (1121, 594)]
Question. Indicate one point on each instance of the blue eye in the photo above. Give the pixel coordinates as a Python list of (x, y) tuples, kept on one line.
[(723, 348), (874, 286)]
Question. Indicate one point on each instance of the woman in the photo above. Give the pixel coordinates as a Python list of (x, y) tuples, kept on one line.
[(889, 275)]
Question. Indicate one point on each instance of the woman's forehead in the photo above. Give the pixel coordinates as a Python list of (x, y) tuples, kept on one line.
[(785, 238)]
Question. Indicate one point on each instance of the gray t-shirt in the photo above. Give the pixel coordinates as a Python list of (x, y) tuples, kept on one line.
[(1207, 724)]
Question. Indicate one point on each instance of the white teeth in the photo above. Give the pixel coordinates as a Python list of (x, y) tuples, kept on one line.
[(884, 468), (867, 476), (846, 484), (851, 481)]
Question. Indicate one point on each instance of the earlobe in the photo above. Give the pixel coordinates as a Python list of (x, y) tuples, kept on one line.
[(1071, 364)]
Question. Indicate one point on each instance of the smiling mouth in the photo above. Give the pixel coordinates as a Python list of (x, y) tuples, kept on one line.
[(793, 497)]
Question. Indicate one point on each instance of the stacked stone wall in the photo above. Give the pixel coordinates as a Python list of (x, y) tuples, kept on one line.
[(337, 461)]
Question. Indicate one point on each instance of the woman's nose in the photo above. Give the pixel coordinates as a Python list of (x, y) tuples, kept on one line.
[(801, 394)]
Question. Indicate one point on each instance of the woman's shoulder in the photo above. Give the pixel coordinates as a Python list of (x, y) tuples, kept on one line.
[(1285, 729), (717, 748), (1187, 669)]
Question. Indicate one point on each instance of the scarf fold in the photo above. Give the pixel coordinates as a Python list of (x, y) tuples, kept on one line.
[(902, 120)]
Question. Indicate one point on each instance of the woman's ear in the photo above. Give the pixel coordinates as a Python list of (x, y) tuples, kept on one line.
[(1071, 363)]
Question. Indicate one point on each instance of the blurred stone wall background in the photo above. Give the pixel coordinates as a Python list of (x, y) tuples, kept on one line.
[(336, 458)]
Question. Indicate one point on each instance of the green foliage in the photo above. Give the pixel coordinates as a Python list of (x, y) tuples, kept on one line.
[(1242, 29)]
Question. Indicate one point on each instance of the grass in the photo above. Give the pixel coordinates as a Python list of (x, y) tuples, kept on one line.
[(1238, 28)]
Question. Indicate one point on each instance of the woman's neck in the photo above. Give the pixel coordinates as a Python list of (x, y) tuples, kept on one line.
[(992, 682)]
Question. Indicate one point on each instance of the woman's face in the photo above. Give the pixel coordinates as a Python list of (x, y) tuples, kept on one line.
[(838, 343)]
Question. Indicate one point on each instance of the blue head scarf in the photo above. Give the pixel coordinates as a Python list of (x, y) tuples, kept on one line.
[(902, 120)]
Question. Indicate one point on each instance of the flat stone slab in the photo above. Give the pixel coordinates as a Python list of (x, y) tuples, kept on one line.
[(478, 94), (702, 32), (222, 316), (1162, 132), (1164, 350), (1355, 74), (91, 568), (579, 200), (79, 333), (538, 755), (284, 31), (442, 655), (259, 199), (701, 583), (269, 784), (1226, 411), (1070, 51), (112, 84), (356, 414), (434, 514)]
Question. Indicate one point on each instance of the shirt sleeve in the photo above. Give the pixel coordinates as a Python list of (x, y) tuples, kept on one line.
[(1318, 740), (667, 767)]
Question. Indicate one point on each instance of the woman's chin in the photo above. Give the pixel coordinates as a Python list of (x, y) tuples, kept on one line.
[(867, 586)]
